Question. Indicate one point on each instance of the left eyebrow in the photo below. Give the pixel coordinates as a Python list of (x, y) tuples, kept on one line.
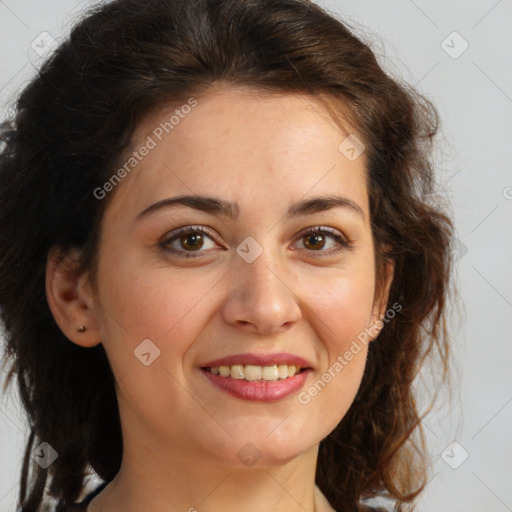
[(323, 203), (219, 207)]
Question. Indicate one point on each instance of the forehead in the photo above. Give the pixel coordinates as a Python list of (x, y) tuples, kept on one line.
[(245, 145)]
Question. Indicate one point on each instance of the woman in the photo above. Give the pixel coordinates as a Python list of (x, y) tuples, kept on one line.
[(222, 266)]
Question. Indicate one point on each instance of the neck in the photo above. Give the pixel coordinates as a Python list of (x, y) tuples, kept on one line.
[(150, 479)]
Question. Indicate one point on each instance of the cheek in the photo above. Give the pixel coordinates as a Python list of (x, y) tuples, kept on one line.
[(342, 304), (341, 313), (141, 302), (168, 308), (344, 318)]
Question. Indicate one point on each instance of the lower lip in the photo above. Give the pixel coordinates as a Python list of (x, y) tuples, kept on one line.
[(260, 391)]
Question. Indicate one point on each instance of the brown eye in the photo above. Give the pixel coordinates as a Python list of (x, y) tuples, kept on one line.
[(316, 239), (187, 241), (191, 242)]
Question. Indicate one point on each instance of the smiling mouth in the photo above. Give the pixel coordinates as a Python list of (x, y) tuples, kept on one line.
[(251, 372)]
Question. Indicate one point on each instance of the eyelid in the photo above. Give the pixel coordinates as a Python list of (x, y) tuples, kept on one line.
[(323, 229)]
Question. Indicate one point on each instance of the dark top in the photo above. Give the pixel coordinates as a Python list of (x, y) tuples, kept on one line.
[(82, 506)]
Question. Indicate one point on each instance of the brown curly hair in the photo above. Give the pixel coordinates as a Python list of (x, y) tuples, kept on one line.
[(75, 119)]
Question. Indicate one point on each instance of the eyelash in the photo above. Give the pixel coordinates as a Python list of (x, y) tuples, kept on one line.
[(191, 230)]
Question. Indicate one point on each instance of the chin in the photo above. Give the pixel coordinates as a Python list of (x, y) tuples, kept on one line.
[(258, 450)]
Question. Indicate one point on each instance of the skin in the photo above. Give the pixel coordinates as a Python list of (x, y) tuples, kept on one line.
[(264, 152)]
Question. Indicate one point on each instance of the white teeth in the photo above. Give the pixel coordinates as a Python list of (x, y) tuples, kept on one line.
[(270, 373), (282, 371), (252, 372), (237, 371)]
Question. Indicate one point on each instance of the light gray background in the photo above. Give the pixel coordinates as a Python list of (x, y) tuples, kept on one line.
[(473, 93)]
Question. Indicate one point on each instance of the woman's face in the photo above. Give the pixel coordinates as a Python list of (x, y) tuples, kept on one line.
[(251, 284)]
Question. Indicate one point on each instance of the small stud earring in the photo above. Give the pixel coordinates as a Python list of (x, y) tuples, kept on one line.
[(82, 328)]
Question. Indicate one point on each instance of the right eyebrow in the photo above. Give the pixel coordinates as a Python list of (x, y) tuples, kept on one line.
[(210, 205)]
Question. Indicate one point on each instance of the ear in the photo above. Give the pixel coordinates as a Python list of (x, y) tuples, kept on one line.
[(70, 298), (381, 299)]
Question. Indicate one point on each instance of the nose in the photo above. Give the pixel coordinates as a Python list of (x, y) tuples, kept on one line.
[(260, 298)]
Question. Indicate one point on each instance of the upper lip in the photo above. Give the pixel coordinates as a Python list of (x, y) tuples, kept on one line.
[(258, 360)]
